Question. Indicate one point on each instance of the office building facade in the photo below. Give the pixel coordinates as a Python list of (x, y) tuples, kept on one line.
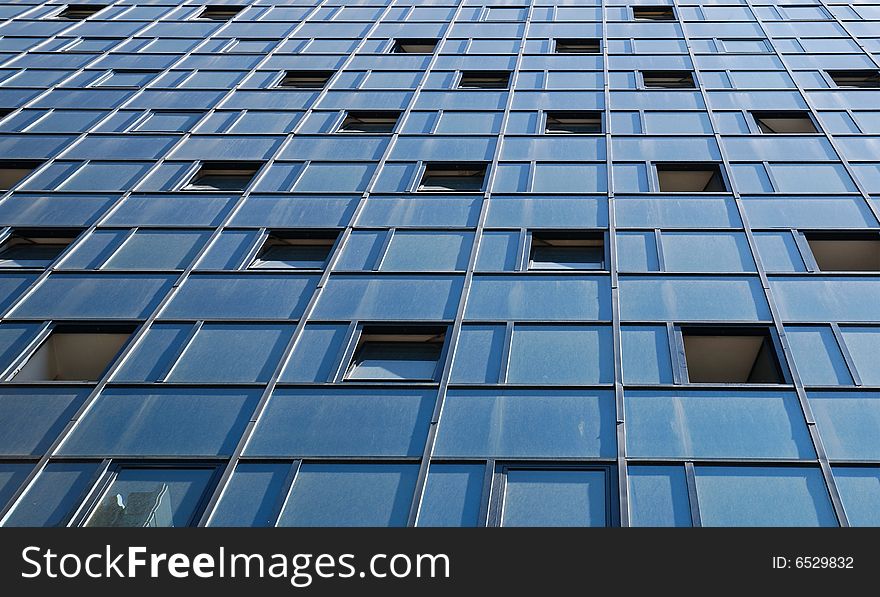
[(440, 263)]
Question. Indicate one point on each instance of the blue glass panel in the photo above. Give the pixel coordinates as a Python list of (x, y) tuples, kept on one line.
[(498, 251), (228, 250), (316, 354), (53, 495), (153, 356), (206, 422), (574, 355), (732, 496), (529, 297), (646, 356), (420, 211), (779, 252), (232, 353), (94, 297), (361, 251), (503, 424), (707, 252), (827, 298), (170, 211), (716, 425), (252, 496), (389, 297), (551, 498), (241, 296), (658, 496), (33, 417), (12, 285), (478, 354), (14, 337), (680, 298), (808, 212), (676, 212), (12, 475), (453, 495), (859, 489), (848, 423), (863, 344), (152, 497), (547, 212), (637, 252), (817, 356), (158, 249), (429, 251), (343, 423), (350, 495), (293, 211)]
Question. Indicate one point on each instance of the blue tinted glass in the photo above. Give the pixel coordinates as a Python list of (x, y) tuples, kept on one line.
[(241, 296), (848, 423), (343, 423), (453, 495), (134, 421), (827, 299), (502, 424), (232, 353), (658, 496), (53, 496), (34, 417), (733, 496), (716, 425), (316, 354), (12, 475), (377, 495), (151, 359), (817, 356), (576, 355), (252, 497), (157, 249), (646, 356), (428, 251), (142, 497), (397, 297), (707, 252), (572, 498), (539, 297), (94, 296), (864, 345), (860, 492), (692, 299), (779, 252), (478, 354)]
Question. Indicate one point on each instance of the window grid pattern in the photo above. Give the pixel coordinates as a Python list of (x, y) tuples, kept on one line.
[(538, 346)]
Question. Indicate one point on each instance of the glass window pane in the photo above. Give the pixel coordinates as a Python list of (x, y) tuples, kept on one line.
[(731, 496), (575, 355), (859, 489), (453, 496), (377, 495), (658, 496), (252, 496), (12, 475), (550, 498), (54, 494), (142, 497)]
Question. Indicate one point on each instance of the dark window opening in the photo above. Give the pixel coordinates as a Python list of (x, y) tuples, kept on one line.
[(405, 353), (35, 248), (74, 353), (573, 122), (690, 178), (414, 46), (295, 249), (669, 79), (845, 251), (305, 79), (11, 173), (220, 13), (78, 12), (4, 112), (153, 496), (731, 355), (577, 46), (484, 80), (855, 78), (567, 250), (653, 13), (453, 177), (223, 176), (369, 122), (782, 123)]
